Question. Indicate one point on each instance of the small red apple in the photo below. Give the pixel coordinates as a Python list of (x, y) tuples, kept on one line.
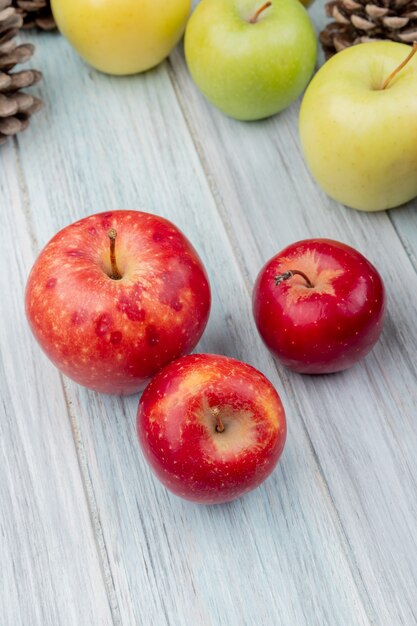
[(212, 428), (115, 297), (319, 306)]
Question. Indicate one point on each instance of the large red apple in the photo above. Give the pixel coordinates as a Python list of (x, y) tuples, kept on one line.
[(212, 428), (115, 297), (319, 306)]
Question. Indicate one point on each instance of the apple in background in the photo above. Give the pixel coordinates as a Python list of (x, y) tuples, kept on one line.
[(212, 428), (360, 139), (116, 296), (250, 59), (123, 36), (319, 306)]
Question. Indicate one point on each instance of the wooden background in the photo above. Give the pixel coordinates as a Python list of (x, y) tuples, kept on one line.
[(87, 535)]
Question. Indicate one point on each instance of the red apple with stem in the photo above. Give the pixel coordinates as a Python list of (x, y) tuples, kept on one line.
[(319, 306), (116, 296), (212, 428)]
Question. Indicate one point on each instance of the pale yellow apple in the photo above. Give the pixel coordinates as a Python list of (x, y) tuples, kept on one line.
[(122, 36), (359, 140)]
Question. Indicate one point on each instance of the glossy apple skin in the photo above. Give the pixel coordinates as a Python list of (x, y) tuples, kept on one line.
[(250, 71), (359, 142), (113, 335), (326, 328), (177, 428), (124, 36)]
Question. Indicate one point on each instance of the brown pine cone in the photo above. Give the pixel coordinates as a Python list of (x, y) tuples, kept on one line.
[(36, 14), (360, 21), (16, 107)]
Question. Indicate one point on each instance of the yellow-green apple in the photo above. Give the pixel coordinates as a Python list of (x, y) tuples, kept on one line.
[(319, 306), (212, 428), (116, 296), (123, 37), (358, 126), (250, 59)]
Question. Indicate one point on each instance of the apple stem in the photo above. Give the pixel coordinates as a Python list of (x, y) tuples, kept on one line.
[(220, 425), (261, 9), (115, 274), (400, 67), (289, 274)]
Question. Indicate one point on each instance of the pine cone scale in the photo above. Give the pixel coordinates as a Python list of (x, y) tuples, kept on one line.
[(21, 54), (36, 13), (35, 107), (20, 80), (408, 37), (12, 125), (5, 81), (16, 107), (360, 21), (24, 102), (8, 107), (338, 16), (375, 11)]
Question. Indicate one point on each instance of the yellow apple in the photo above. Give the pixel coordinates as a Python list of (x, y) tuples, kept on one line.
[(359, 136), (122, 36)]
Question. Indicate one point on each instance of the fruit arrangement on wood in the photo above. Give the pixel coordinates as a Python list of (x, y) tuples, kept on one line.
[(119, 300)]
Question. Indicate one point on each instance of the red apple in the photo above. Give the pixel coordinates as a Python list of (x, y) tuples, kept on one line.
[(212, 428), (115, 297), (319, 306)]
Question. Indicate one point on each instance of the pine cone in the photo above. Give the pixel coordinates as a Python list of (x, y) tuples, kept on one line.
[(15, 107), (360, 21), (36, 13)]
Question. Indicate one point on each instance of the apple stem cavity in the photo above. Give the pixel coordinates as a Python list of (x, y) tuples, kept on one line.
[(289, 274), (115, 274), (400, 67), (261, 9), (219, 423)]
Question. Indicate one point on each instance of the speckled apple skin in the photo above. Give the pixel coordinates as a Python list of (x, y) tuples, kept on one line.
[(359, 141), (177, 428), (122, 37), (113, 335), (323, 329), (250, 71)]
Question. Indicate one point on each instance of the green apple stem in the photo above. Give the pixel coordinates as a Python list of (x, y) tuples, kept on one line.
[(400, 67), (289, 274), (115, 274), (261, 9), (216, 414)]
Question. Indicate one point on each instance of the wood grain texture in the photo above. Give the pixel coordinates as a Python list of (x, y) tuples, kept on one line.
[(278, 556), (50, 570)]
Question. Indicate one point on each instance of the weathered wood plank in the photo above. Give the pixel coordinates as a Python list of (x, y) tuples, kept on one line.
[(360, 422), (278, 556), (50, 570), (404, 220)]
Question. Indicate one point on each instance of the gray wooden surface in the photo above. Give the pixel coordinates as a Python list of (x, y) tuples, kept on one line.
[(87, 535)]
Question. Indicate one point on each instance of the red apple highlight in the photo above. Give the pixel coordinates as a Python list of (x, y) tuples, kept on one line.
[(212, 428), (116, 296), (319, 306)]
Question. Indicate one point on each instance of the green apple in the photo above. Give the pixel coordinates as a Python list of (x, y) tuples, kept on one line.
[(250, 59), (359, 137), (122, 36)]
